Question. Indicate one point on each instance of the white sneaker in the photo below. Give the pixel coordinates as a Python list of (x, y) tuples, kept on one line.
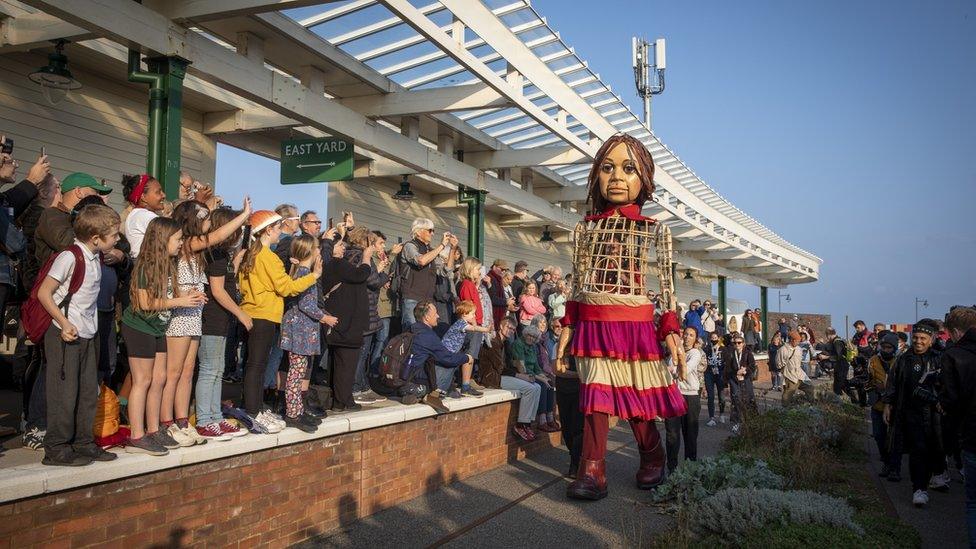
[(920, 498), (180, 435), (191, 431), (723, 419), (940, 482), (711, 422), (268, 423), (277, 419)]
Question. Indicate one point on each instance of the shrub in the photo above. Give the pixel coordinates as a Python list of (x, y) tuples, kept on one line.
[(733, 513), (693, 481)]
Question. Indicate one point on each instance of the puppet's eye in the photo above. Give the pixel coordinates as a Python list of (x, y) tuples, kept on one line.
[(607, 168), (630, 169)]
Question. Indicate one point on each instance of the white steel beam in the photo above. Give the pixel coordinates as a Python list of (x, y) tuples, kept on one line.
[(523, 158), (426, 27), (208, 10), (244, 121), (135, 25), (446, 99), (32, 30)]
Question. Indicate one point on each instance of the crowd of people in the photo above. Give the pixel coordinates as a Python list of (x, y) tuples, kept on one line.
[(165, 301)]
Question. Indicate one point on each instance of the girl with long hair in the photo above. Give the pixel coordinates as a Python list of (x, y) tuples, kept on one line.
[(144, 323), (264, 285), (221, 261), (301, 329), (185, 326)]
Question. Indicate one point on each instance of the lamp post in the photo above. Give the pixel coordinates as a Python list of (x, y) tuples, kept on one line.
[(781, 295), (924, 302)]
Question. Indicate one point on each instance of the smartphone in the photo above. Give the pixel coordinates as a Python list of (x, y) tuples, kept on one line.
[(7, 147), (399, 240), (246, 236), (44, 153), (331, 222)]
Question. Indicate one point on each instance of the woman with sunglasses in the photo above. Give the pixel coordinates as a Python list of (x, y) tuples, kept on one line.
[(738, 367)]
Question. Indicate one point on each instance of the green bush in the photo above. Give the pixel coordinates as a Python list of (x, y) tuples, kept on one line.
[(732, 514), (693, 481)]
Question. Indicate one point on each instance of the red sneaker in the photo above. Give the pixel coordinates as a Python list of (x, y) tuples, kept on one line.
[(212, 431), (228, 429), (523, 432)]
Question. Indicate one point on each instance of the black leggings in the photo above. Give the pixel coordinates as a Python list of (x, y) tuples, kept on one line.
[(683, 427), (343, 361), (259, 342), (570, 417)]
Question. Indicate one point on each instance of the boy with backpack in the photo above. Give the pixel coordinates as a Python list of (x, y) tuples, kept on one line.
[(67, 290)]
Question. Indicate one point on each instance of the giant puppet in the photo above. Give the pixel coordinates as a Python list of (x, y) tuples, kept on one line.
[(610, 325)]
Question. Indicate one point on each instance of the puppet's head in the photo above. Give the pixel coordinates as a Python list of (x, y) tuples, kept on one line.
[(622, 174)]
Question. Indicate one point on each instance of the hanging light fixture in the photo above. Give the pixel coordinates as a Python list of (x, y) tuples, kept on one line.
[(546, 236), (404, 193), (688, 275), (55, 79)]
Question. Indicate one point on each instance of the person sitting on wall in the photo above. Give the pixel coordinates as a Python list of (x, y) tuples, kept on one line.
[(427, 346)]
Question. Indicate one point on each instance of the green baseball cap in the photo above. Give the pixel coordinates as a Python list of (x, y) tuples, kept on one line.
[(79, 179)]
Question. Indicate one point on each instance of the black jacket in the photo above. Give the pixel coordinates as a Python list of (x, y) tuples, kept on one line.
[(729, 366), (903, 380), (349, 302), (374, 284), (958, 394)]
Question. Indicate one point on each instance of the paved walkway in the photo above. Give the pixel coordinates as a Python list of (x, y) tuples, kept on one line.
[(523, 501)]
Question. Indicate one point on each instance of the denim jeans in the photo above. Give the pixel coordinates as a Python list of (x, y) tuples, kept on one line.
[(274, 362), (714, 387), (969, 468), (361, 382), (211, 356), (444, 377), (382, 336), (406, 314)]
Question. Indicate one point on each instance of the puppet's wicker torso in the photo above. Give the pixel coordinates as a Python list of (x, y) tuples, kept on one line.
[(615, 338)]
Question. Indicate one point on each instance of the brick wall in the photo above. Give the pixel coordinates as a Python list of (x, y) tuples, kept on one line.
[(273, 497)]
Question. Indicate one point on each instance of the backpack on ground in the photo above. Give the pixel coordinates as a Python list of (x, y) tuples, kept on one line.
[(33, 316), (394, 358)]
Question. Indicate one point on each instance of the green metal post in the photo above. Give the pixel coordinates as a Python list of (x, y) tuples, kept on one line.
[(722, 299), (764, 316), (475, 201), (163, 146)]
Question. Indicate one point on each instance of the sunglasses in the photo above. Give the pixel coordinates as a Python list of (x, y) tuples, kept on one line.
[(313, 222), (739, 342)]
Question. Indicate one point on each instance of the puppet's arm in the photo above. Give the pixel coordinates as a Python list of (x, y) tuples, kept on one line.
[(670, 327)]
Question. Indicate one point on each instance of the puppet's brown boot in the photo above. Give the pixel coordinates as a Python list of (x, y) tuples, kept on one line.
[(591, 480), (651, 471)]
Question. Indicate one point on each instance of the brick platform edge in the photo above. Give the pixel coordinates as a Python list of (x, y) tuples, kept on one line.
[(277, 496)]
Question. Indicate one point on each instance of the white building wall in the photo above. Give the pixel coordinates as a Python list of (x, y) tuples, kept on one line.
[(99, 129)]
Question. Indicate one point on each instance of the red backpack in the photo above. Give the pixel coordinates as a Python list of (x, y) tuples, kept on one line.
[(33, 316)]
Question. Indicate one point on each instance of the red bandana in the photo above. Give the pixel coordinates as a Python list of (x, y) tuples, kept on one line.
[(140, 188)]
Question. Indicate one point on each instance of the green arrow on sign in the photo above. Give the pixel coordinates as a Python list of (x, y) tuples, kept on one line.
[(316, 160)]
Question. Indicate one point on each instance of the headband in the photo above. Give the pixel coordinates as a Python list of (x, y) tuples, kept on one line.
[(137, 191), (923, 328)]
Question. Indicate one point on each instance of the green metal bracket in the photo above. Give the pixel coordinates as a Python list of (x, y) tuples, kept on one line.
[(764, 316), (163, 148), (723, 299), (475, 200)]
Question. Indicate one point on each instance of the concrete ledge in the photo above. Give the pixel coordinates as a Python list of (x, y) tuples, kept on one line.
[(23, 476)]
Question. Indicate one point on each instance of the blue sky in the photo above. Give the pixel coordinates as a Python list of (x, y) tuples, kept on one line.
[(849, 128)]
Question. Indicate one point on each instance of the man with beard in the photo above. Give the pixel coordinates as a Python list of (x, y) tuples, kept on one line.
[(912, 409)]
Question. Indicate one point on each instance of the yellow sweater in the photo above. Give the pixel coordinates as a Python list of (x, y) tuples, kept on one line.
[(879, 378), (263, 291)]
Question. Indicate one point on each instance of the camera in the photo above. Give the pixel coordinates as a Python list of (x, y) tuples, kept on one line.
[(927, 388)]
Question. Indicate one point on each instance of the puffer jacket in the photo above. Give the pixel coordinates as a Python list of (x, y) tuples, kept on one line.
[(374, 284)]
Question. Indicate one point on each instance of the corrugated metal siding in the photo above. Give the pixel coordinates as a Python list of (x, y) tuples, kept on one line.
[(99, 129)]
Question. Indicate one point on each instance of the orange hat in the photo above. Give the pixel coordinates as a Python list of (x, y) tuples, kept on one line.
[(261, 219)]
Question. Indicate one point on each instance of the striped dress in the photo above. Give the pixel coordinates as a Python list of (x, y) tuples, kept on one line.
[(616, 342)]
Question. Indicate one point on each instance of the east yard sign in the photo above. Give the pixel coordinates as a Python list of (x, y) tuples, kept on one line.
[(316, 160)]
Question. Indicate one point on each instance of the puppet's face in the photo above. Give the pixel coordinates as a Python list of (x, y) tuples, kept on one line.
[(620, 181)]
